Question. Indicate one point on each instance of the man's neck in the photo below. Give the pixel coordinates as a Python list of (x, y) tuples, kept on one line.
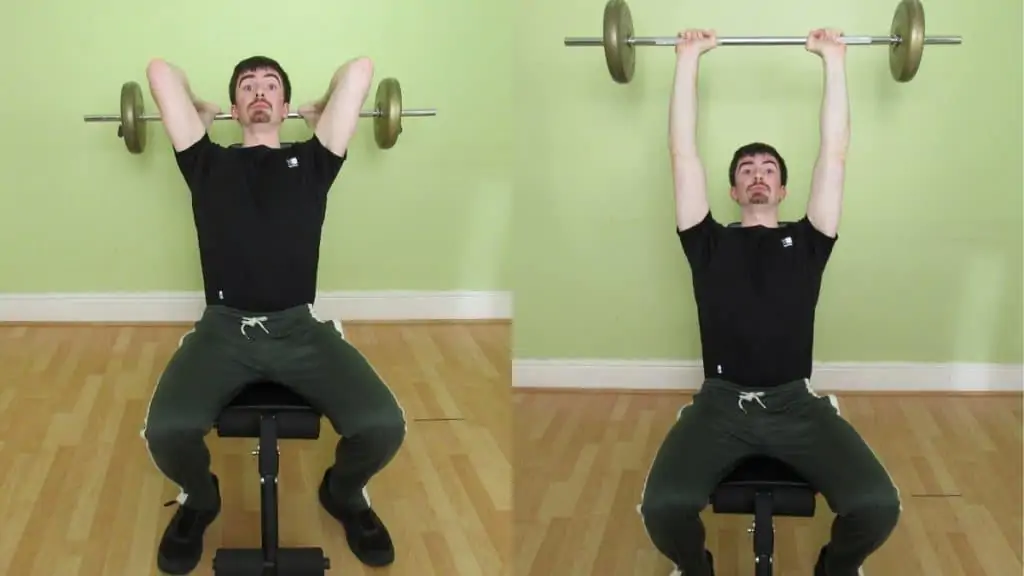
[(758, 216), (260, 136)]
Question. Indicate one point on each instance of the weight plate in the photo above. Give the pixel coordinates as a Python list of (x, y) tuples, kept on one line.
[(133, 128), (618, 30), (908, 26), (388, 124)]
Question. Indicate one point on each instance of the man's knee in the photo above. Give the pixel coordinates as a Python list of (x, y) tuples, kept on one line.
[(666, 508), (383, 427), (166, 436), (876, 507)]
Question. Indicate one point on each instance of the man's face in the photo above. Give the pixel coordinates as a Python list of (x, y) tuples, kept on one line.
[(259, 98), (758, 182)]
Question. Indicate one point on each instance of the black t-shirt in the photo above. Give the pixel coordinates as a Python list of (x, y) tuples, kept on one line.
[(756, 290), (259, 213)]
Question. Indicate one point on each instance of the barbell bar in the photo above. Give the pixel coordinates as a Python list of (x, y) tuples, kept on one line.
[(906, 40), (387, 115)]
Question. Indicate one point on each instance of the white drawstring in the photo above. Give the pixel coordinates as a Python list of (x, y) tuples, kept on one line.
[(253, 321), (748, 396)]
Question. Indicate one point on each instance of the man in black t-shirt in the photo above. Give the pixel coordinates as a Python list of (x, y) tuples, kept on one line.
[(259, 209), (756, 286)]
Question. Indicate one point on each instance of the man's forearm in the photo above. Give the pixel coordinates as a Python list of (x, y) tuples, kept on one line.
[(683, 109), (835, 111)]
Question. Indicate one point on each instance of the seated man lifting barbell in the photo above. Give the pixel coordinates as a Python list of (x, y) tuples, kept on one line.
[(259, 210), (756, 287)]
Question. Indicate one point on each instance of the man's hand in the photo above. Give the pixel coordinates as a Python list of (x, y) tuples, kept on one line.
[(827, 43), (311, 112), (207, 112), (693, 43)]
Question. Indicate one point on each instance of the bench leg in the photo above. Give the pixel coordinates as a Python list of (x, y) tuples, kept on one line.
[(764, 534), (270, 559), (268, 455)]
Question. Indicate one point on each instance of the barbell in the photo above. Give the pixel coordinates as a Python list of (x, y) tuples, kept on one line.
[(387, 115), (906, 40)]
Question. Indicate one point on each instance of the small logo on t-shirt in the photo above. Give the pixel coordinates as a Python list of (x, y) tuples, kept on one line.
[(293, 162), (787, 241)]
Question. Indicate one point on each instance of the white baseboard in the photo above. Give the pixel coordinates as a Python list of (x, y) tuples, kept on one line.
[(831, 377), (187, 306)]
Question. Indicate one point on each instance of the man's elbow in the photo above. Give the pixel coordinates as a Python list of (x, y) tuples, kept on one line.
[(358, 72), (363, 66), (163, 79), (158, 72)]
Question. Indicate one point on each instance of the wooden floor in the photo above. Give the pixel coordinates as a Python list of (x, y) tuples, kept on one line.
[(581, 459), (79, 495)]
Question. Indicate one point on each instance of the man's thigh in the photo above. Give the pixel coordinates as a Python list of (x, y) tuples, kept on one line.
[(338, 380), (201, 377), (829, 452), (702, 447)]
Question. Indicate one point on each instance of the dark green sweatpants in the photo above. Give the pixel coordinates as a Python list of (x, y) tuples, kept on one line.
[(726, 423), (228, 349)]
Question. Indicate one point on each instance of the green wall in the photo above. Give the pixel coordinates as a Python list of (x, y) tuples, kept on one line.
[(78, 213), (928, 266)]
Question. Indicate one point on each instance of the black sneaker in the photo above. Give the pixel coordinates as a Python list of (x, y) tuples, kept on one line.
[(181, 547), (364, 531)]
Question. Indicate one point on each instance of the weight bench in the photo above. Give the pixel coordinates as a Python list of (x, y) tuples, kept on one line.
[(269, 411), (764, 487)]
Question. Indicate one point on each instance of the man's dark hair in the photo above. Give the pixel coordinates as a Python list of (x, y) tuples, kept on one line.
[(753, 149), (254, 63)]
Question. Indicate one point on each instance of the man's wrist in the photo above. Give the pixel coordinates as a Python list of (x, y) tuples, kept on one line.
[(833, 61)]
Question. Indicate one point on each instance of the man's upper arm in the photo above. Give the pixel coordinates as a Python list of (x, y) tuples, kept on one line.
[(177, 110), (817, 243), (320, 163), (700, 240), (825, 204), (691, 194)]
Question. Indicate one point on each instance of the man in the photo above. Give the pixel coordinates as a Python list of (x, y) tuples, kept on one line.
[(258, 210), (756, 288)]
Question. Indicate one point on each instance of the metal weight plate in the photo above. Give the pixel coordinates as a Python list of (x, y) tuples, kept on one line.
[(133, 128), (388, 125), (618, 52), (908, 25)]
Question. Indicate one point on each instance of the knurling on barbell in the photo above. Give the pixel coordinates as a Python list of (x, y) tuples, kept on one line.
[(906, 40), (387, 115)]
